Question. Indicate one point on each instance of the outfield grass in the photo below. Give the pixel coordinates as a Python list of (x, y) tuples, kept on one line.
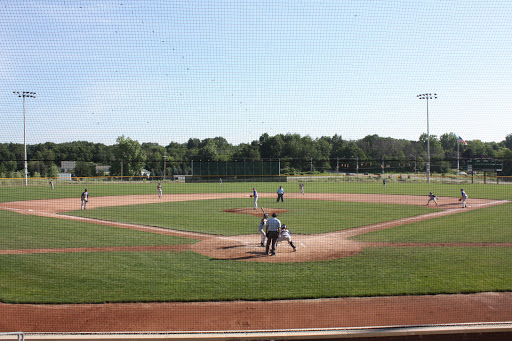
[(166, 276), (489, 191), (302, 216), (19, 231), (485, 225)]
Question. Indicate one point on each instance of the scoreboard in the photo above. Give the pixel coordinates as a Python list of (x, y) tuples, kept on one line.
[(485, 165)]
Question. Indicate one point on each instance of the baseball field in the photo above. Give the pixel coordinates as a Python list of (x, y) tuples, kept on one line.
[(367, 255)]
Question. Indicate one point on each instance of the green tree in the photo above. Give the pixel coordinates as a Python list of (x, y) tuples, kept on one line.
[(53, 172), (272, 147), (130, 157), (208, 151), (475, 149), (449, 144), (154, 157), (85, 169), (323, 152), (247, 151), (103, 154), (436, 150), (367, 144), (508, 141)]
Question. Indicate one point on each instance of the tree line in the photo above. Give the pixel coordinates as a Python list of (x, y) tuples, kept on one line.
[(298, 154)]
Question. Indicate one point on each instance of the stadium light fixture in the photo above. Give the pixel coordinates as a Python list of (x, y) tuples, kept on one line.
[(427, 97), (25, 94)]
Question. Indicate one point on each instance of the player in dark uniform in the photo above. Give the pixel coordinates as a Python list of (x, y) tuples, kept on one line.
[(280, 193), (432, 197), (272, 230)]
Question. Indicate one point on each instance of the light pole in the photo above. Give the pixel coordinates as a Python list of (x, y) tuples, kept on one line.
[(427, 97), (165, 159), (25, 94)]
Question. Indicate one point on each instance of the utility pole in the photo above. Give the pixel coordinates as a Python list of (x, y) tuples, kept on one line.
[(25, 94), (427, 97)]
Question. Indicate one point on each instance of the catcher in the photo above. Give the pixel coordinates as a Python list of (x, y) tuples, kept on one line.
[(286, 235)]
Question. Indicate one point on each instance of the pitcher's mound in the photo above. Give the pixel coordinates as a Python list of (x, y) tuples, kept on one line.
[(255, 212)]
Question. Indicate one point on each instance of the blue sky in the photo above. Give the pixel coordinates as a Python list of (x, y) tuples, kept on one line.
[(165, 71)]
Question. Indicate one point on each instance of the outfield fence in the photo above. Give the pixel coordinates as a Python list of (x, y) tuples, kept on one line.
[(215, 178)]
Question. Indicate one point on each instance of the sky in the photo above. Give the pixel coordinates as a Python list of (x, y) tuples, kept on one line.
[(165, 71)]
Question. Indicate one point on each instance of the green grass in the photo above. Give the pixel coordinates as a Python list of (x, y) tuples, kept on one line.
[(207, 216), (488, 191), (168, 276), (19, 231), (171, 276), (489, 225)]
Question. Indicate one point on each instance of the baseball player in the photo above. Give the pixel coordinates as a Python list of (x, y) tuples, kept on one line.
[(254, 195), (84, 199), (261, 229), (463, 198), (159, 187), (280, 193), (52, 186), (432, 197), (286, 235), (272, 230), (301, 187)]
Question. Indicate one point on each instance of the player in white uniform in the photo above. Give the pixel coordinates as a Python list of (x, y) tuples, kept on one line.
[(432, 197), (255, 196), (286, 235), (159, 187), (261, 229), (301, 186), (464, 197), (84, 199)]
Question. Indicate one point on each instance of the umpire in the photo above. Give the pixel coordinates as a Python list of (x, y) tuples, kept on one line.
[(272, 230)]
